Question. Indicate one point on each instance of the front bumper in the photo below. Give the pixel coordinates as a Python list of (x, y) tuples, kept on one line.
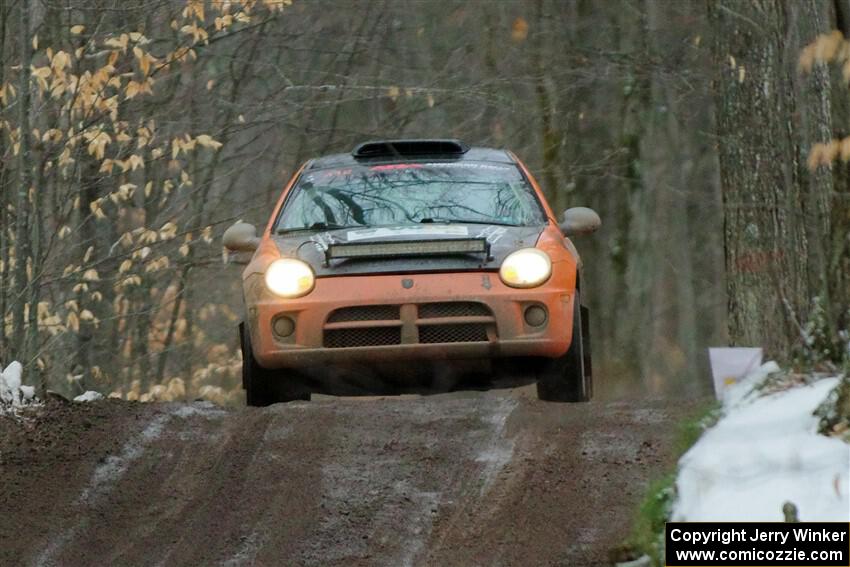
[(487, 320)]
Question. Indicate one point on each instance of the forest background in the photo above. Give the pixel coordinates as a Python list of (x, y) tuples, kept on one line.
[(709, 135)]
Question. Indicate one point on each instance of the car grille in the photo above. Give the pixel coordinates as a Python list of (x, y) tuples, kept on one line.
[(427, 323), (365, 313), (453, 309), (370, 336), (466, 333)]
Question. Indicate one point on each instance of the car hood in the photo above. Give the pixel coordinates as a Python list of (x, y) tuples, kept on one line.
[(312, 247)]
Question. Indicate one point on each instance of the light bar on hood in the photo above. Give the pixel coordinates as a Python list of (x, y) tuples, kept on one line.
[(409, 248)]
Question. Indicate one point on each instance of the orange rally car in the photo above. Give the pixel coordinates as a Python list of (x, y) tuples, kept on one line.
[(410, 265)]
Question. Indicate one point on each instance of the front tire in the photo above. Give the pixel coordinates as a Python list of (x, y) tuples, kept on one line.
[(569, 377), (264, 387)]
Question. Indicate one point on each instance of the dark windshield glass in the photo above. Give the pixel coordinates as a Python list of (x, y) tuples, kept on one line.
[(412, 193)]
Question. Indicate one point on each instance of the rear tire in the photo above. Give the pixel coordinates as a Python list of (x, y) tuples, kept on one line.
[(264, 387), (569, 378)]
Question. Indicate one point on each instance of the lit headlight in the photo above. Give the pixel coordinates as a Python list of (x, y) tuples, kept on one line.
[(288, 277), (528, 267)]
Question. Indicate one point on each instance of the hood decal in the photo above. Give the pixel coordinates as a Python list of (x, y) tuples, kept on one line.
[(322, 240), (493, 233)]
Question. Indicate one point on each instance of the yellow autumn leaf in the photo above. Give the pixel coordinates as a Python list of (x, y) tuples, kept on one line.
[(119, 42), (168, 231), (53, 135), (97, 209), (98, 143), (143, 59), (136, 162), (91, 275), (198, 33), (40, 72), (223, 22), (72, 322), (148, 237), (78, 29), (132, 89), (65, 158), (59, 62), (208, 142), (126, 190)]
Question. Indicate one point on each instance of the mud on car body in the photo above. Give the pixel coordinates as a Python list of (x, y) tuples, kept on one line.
[(412, 258)]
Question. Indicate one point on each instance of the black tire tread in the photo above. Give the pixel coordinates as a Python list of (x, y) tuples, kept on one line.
[(264, 387), (569, 378)]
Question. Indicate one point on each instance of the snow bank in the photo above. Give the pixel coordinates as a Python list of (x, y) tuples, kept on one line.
[(89, 396), (13, 395), (763, 452)]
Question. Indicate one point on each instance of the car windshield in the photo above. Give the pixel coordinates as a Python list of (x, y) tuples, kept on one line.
[(411, 193)]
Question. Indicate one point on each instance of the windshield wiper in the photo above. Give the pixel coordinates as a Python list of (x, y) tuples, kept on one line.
[(319, 226), (443, 220)]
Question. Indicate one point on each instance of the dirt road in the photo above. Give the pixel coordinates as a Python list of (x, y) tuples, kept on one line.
[(493, 478)]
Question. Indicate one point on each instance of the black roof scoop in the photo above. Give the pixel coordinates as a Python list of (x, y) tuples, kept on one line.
[(409, 148)]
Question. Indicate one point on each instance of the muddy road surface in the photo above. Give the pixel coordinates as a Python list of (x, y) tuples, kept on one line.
[(493, 478)]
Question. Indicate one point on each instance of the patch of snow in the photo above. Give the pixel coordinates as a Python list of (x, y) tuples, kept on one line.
[(12, 375), (13, 395), (418, 522), (746, 388), (499, 449), (202, 409), (766, 451), (247, 552), (113, 468), (89, 396), (642, 561)]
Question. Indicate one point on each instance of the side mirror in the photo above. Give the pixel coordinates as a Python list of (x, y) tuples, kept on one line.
[(241, 237), (580, 220)]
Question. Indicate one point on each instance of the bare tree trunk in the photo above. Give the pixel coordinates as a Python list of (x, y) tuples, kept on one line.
[(549, 132), (767, 117), (5, 232), (22, 206)]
